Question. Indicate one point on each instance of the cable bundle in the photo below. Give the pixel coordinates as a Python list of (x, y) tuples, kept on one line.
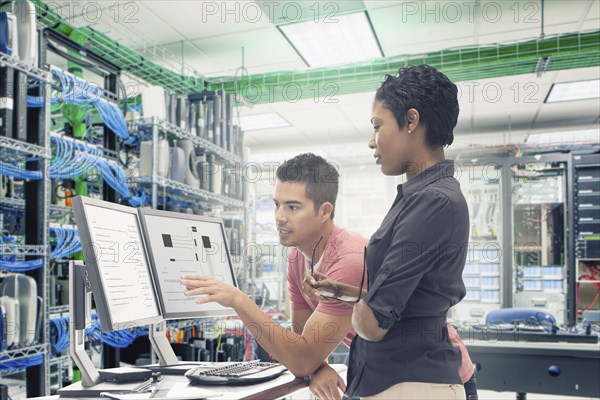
[(59, 333), (72, 158), (10, 263), (115, 178), (78, 92), (118, 339), (38, 101), (67, 242), (19, 172), (7, 364)]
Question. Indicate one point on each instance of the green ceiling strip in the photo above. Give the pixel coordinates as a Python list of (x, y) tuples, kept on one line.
[(576, 50), (123, 57)]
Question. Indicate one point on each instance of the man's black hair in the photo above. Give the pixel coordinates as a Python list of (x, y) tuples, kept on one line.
[(321, 178)]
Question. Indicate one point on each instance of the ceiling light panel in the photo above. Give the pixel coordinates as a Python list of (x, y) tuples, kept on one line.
[(570, 91), (341, 39)]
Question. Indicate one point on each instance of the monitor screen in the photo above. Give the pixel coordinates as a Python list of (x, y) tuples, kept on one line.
[(116, 264), (184, 244)]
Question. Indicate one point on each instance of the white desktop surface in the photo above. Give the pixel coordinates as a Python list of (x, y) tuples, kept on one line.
[(274, 389)]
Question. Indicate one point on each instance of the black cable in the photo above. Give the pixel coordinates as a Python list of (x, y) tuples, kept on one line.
[(85, 64), (124, 96)]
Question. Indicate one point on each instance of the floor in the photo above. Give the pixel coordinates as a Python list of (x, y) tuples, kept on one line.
[(490, 395), (17, 392), (483, 395)]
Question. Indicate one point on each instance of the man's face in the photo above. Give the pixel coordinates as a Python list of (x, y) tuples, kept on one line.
[(298, 222)]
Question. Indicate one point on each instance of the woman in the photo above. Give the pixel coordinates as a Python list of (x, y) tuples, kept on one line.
[(416, 258)]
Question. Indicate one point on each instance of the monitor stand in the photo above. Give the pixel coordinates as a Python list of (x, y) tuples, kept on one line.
[(161, 345), (168, 364), (80, 301)]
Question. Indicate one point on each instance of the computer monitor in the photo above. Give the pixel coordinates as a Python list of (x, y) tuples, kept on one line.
[(115, 264), (185, 244)]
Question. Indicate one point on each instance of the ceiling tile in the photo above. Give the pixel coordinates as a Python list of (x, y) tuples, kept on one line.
[(262, 48), (402, 31), (145, 24), (203, 19), (594, 11), (568, 114), (403, 27)]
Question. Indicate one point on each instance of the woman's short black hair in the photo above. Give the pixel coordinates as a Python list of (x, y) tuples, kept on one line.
[(428, 91)]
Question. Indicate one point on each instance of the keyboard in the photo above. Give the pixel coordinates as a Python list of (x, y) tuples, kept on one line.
[(239, 373)]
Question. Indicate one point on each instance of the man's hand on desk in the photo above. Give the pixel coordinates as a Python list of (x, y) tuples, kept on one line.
[(326, 383), (217, 291)]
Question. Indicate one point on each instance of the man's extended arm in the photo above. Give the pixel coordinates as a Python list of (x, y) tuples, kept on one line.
[(301, 353)]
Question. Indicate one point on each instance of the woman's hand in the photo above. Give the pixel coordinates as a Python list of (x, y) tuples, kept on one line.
[(313, 283), (215, 290)]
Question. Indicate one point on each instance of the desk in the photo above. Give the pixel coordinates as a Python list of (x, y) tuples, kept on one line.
[(569, 369), (282, 386)]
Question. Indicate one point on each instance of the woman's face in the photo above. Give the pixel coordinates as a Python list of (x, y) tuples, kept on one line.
[(392, 144)]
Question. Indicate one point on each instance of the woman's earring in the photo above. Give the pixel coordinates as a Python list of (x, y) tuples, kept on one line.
[(409, 131)]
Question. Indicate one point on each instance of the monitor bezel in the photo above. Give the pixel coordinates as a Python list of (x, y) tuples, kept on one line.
[(91, 266), (200, 218)]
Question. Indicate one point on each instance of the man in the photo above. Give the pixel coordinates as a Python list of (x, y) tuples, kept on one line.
[(305, 196)]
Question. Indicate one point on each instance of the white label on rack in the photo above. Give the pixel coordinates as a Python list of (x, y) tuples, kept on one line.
[(6, 102)]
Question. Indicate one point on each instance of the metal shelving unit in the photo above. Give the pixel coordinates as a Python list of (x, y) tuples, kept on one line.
[(179, 133), (58, 310), (60, 360), (160, 186), (18, 205), (23, 352), (16, 152), (23, 250), (175, 189), (31, 71), (34, 153)]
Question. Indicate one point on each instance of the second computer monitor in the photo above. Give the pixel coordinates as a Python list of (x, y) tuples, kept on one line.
[(116, 266), (185, 244)]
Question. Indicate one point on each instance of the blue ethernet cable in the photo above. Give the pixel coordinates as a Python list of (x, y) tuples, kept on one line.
[(9, 263)]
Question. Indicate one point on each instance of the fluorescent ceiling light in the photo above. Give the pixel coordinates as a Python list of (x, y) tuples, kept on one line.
[(341, 39), (570, 91), (584, 136), (262, 121)]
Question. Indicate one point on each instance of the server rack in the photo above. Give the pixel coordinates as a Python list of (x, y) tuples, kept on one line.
[(499, 270), (586, 234), (35, 153)]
